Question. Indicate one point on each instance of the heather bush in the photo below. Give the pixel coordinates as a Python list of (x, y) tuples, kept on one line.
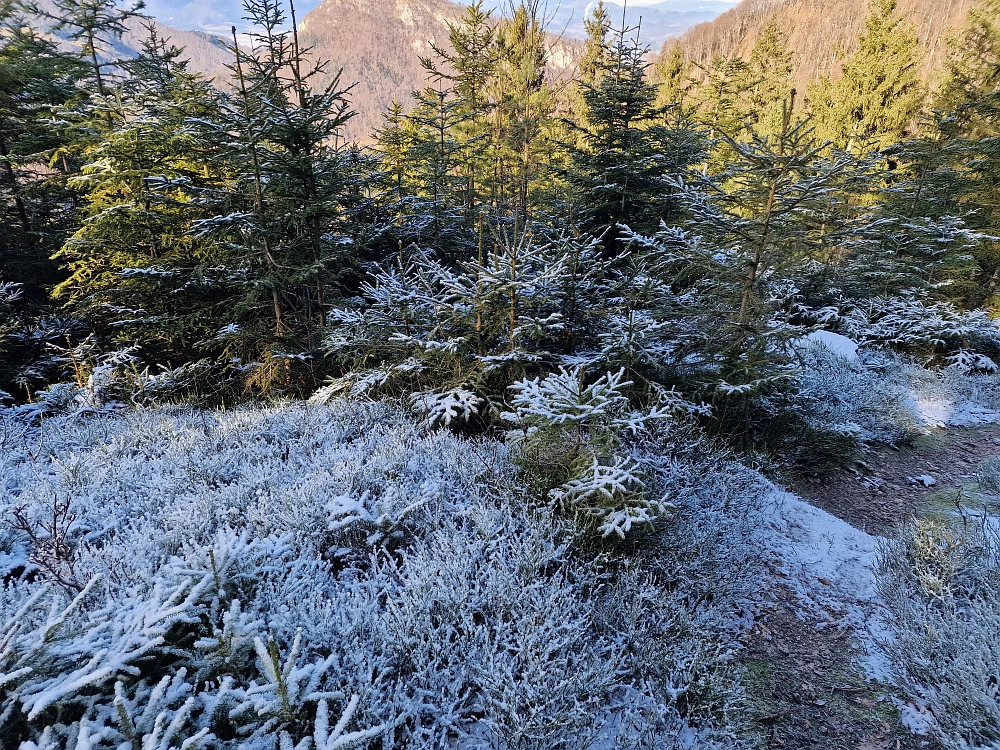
[(340, 576)]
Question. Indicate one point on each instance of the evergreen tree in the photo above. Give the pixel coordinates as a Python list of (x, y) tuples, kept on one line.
[(720, 98), (524, 111), (672, 71), (289, 215), (596, 55), (132, 264), (467, 68), (879, 90), (972, 68), (437, 211), (37, 84), (779, 208), (96, 25), (630, 152), (770, 71), (720, 103)]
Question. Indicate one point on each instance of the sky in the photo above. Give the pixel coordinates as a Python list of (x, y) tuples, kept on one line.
[(219, 15)]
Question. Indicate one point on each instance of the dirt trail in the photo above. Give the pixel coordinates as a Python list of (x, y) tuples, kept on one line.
[(807, 691), (806, 687), (879, 495)]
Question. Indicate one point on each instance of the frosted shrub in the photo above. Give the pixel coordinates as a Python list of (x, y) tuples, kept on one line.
[(580, 426), (865, 398), (942, 586), (981, 388), (912, 322), (988, 475), (303, 577)]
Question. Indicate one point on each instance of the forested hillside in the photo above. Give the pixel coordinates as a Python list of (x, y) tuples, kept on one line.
[(822, 32), (467, 427)]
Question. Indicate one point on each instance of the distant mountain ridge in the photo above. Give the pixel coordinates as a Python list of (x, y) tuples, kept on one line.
[(660, 20), (821, 33), (657, 22)]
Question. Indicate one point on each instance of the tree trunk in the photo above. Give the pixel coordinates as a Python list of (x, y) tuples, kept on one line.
[(8, 172)]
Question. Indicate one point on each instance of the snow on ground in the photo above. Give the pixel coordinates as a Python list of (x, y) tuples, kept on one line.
[(940, 410), (832, 342), (830, 566)]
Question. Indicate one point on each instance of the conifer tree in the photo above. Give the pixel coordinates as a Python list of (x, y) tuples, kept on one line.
[(288, 213), (972, 68), (779, 208), (38, 85), (131, 263), (467, 69), (96, 25), (770, 72), (879, 91), (524, 109), (621, 174), (596, 50), (950, 170), (672, 71), (720, 99), (437, 211)]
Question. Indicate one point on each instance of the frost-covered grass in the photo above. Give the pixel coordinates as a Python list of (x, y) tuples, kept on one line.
[(880, 396), (865, 396), (942, 585), (337, 575)]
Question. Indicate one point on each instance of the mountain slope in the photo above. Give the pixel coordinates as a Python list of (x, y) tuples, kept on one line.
[(379, 46), (820, 32), (204, 51)]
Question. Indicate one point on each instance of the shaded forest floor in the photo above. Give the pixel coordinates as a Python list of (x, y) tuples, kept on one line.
[(806, 685), (880, 493)]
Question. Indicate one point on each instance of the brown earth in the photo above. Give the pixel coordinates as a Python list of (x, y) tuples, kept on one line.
[(808, 693), (878, 496)]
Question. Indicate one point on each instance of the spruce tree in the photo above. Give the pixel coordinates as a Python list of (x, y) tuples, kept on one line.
[(972, 68), (879, 91), (720, 98), (781, 208), (672, 71), (96, 25), (770, 72), (631, 149), (40, 94), (132, 264), (288, 218), (466, 69), (524, 111), (38, 86), (438, 211)]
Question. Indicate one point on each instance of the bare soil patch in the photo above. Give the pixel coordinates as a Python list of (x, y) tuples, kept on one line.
[(878, 495), (807, 691)]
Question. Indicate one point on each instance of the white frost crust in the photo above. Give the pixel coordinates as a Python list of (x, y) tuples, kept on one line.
[(830, 566)]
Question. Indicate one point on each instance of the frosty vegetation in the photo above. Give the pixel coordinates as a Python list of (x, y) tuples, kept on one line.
[(443, 441), (333, 576), (942, 584)]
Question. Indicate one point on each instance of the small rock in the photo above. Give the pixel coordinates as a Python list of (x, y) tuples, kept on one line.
[(925, 479)]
